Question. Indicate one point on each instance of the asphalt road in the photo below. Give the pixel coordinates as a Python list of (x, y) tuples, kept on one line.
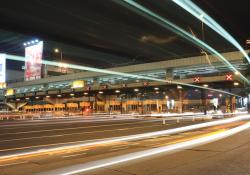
[(24, 135), (229, 156), (162, 164)]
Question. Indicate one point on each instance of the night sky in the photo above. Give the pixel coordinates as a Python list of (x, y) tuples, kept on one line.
[(104, 34)]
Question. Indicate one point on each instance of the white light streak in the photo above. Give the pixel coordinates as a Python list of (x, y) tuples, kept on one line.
[(147, 153), (205, 18), (132, 137)]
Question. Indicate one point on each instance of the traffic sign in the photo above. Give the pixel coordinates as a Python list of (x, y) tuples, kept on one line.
[(229, 77), (197, 79)]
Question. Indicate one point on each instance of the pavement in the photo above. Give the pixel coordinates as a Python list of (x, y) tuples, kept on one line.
[(224, 156)]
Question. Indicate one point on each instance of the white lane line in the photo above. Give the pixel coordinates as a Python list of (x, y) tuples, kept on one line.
[(117, 149), (74, 128), (74, 155), (126, 138), (77, 133), (80, 168), (10, 164), (38, 124)]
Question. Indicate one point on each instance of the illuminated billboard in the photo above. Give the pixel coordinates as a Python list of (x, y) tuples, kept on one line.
[(33, 61), (2, 68), (78, 84)]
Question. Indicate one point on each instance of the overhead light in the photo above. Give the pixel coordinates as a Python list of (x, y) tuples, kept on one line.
[(236, 72), (47, 96), (18, 99), (85, 93), (156, 88), (27, 98), (37, 97), (166, 97), (36, 40), (236, 84), (179, 87), (32, 42), (117, 91), (220, 95), (59, 95), (136, 90), (24, 44), (157, 92), (100, 92), (205, 85), (56, 50), (72, 94), (28, 43)]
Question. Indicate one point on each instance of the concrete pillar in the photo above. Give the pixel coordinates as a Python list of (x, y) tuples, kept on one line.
[(248, 104), (232, 103), (169, 74), (180, 106), (95, 103), (204, 100), (228, 105)]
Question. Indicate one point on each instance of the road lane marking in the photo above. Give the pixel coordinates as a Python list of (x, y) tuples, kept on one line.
[(74, 128), (10, 164), (74, 155), (78, 133), (124, 138), (35, 124), (117, 149)]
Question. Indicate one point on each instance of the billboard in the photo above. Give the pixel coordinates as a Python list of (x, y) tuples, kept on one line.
[(33, 61), (2, 68)]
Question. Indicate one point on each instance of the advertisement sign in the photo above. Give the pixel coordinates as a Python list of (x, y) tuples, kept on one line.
[(2, 68), (33, 62), (78, 84), (9, 92)]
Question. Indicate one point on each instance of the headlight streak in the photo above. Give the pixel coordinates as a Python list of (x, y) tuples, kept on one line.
[(139, 9), (147, 153), (73, 66), (204, 17), (130, 137)]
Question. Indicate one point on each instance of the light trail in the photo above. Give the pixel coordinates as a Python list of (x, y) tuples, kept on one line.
[(80, 168), (143, 11), (128, 138), (196, 11), (105, 71)]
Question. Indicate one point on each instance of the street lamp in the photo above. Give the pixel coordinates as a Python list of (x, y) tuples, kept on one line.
[(56, 50), (236, 72)]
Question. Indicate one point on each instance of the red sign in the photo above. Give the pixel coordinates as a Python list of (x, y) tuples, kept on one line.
[(197, 79), (229, 77), (145, 83), (88, 88)]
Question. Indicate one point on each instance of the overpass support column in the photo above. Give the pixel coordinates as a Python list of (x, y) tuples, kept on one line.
[(248, 103), (204, 101), (169, 74), (233, 103), (180, 106)]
